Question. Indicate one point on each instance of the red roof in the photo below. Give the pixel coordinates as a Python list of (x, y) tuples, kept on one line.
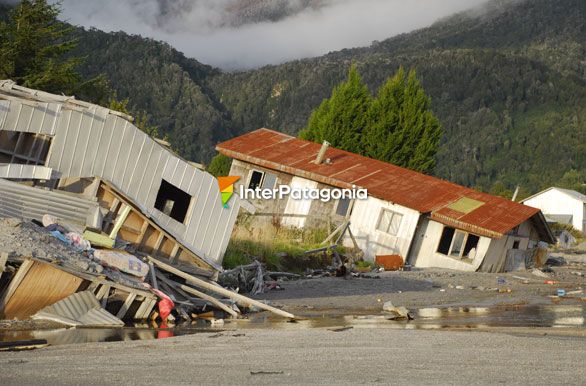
[(426, 194)]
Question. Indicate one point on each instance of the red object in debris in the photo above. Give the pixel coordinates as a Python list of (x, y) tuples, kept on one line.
[(390, 262), (165, 307), (550, 282)]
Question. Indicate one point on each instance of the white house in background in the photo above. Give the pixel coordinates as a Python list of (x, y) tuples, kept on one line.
[(561, 206), (427, 221)]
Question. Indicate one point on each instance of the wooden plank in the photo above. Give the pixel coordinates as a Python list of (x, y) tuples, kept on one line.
[(119, 221), (240, 299), (15, 282), (158, 243), (174, 252), (199, 294), (124, 309), (3, 260), (43, 285), (143, 230), (141, 309), (103, 294), (153, 276)]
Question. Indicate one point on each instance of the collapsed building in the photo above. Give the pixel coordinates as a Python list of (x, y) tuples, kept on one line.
[(426, 221), (96, 173)]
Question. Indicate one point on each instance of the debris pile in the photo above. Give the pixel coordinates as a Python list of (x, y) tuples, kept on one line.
[(107, 285)]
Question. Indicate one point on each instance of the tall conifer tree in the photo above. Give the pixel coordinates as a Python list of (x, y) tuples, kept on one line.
[(341, 119)]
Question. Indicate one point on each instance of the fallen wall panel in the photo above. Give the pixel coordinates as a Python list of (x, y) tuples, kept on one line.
[(25, 202)]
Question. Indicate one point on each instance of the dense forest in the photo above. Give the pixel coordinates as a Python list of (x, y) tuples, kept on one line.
[(507, 82)]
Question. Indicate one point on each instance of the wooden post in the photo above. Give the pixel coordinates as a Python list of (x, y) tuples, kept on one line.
[(126, 305), (243, 300)]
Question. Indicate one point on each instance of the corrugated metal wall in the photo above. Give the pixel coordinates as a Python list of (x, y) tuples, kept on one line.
[(20, 201), (92, 142)]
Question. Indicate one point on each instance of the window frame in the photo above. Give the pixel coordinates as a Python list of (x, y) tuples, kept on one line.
[(393, 214), (460, 255), (347, 209), (262, 177)]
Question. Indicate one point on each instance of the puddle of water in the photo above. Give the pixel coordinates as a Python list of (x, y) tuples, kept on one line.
[(59, 336), (555, 316)]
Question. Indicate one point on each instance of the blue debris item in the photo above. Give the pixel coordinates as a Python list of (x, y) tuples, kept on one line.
[(561, 292), (61, 237), (501, 280)]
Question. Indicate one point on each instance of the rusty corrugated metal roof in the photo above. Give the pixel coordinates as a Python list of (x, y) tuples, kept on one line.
[(388, 182)]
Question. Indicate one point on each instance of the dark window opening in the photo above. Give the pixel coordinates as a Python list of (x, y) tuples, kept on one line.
[(23, 148), (343, 206), (172, 201), (471, 243), (516, 244), (446, 240), (255, 179)]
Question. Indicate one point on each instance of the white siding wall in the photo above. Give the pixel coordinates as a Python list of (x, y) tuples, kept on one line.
[(424, 252), (554, 201), (92, 142), (363, 222), (300, 207)]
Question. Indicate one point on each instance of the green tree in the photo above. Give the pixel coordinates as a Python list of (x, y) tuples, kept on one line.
[(574, 179), (401, 128), (341, 119), (141, 119), (33, 48), (220, 165)]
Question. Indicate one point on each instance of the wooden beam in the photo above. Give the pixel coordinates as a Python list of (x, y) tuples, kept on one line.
[(119, 221), (243, 300), (211, 299), (3, 260), (143, 229), (124, 309)]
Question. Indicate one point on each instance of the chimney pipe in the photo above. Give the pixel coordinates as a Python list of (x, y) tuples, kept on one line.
[(322, 153), (515, 194)]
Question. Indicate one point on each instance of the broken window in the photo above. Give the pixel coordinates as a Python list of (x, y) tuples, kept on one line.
[(269, 181), (172, 201), (23, 148), (343, 206), (389, 222), (471, 243), (457, 243), (446, 241), (255, 179)]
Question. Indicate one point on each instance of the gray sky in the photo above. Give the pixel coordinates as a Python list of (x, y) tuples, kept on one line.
[(209, 31)]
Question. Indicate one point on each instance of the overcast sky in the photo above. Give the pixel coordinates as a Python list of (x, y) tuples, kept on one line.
[(208, 31)]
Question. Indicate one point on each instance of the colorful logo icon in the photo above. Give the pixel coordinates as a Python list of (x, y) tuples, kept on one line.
[(227, 188)]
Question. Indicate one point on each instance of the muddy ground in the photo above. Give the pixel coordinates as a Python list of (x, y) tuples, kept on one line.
[(315, 356), (432, 287)]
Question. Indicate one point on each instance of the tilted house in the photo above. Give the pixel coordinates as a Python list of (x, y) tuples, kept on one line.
[(428, 221), (563, 206), (77, 157)]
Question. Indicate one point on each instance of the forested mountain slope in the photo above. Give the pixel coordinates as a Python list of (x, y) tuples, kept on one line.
[(507, 81)]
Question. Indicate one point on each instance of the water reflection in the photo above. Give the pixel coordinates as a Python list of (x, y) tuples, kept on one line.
[(556, 316)]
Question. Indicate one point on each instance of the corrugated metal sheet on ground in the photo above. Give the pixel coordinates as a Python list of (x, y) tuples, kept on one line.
[(79, 309), (391, 183), (26, 202)]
